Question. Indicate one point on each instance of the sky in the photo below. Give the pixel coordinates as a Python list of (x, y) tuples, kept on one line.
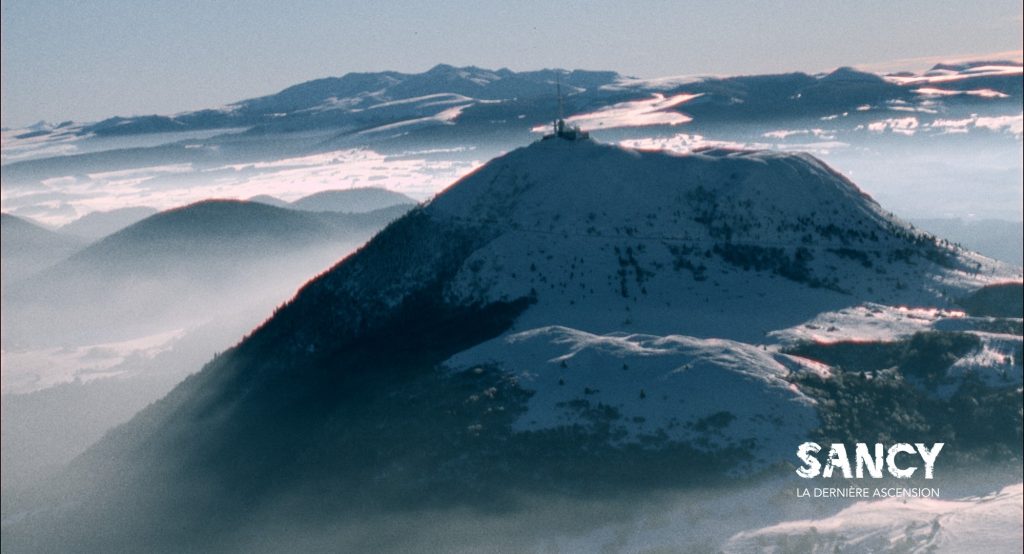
[(90, 60)]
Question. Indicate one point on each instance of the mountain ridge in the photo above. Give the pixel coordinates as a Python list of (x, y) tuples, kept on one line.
[(344, 101)]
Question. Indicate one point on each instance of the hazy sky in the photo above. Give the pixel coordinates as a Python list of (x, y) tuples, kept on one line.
[(89, 60)]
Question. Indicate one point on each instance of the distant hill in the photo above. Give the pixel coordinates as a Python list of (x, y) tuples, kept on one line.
[(96, 225), (28, 247), (269, 200), (354, 200), (213, 228), (182, 263), (999, 300)]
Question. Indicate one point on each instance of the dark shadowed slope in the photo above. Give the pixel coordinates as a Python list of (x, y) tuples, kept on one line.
[(92, 340)]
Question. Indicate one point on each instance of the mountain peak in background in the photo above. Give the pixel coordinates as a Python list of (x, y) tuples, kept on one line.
[(421, 131)]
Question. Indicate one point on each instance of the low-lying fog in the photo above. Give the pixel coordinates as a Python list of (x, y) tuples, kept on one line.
[(95, 337)]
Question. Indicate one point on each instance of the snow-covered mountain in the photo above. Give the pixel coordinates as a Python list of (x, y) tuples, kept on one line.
[(606, 240), (571, 315), (361, 101)]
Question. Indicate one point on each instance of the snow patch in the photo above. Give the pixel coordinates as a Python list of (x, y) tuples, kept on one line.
[(685, 142), (933, 92), (869, 322), (712, 393), (657, 110), (980, 524), (951, 75)]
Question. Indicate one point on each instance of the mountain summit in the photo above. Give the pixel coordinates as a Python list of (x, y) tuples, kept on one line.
[(571, 313)]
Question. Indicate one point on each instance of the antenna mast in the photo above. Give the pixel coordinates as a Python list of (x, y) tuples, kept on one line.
[(558, 87), (558, 127)]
